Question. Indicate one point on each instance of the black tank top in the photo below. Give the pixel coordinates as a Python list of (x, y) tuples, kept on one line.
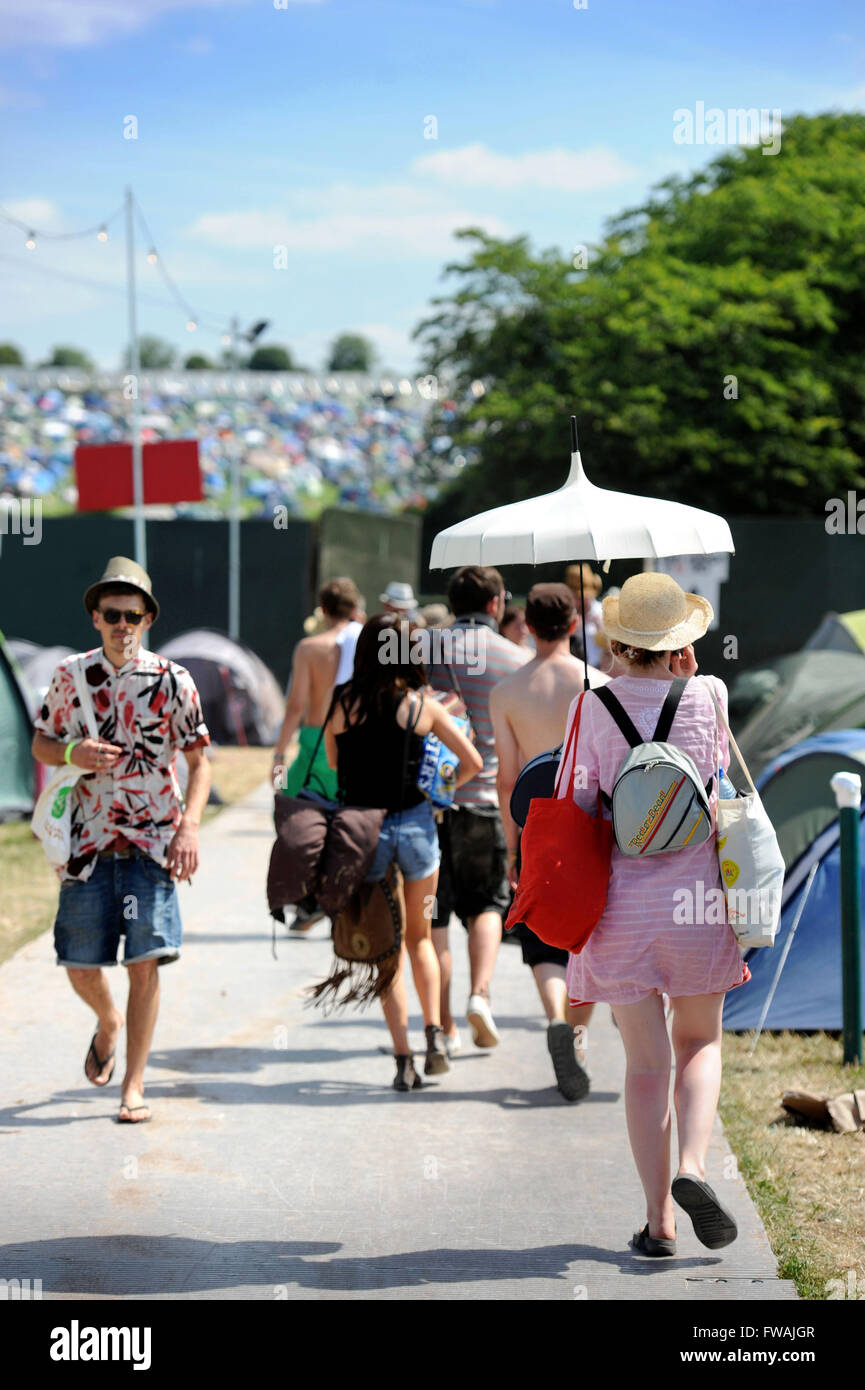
[(370, 761)]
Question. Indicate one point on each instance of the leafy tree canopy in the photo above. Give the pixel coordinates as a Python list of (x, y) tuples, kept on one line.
[(69, 357), (197, 362), (711, 346), (351, 352), (10, 355), (271, 358), (154, 354)]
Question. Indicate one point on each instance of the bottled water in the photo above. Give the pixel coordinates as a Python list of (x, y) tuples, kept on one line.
[(725, 786)]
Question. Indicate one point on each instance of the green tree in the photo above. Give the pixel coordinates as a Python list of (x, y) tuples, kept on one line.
[(197, 362), (69, 357), (10, 355), (272, 358), (712, 347), (154, 354), (351, 352)]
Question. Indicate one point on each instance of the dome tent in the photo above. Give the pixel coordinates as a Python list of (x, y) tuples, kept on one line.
[(16, 735), (811, 693), (839, 632), (796, 793), (240, 696)]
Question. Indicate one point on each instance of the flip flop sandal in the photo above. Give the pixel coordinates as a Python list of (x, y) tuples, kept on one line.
[(92, 1051), (714, 1226), (652, 1245), (127, 1120)]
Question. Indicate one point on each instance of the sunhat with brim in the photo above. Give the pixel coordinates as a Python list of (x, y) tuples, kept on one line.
[(399, 596), (653, 613), (121, 570)]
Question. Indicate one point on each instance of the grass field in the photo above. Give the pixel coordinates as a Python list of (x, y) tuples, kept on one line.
[(808, 1184)]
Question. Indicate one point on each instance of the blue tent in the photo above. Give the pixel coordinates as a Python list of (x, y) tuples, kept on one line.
[(796, 793)]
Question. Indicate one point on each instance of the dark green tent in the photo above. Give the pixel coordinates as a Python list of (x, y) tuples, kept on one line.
[(802, 695), (16, 734)]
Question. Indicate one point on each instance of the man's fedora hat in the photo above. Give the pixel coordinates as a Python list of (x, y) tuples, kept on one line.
[(399, 596), (121, 570), (653, 613)]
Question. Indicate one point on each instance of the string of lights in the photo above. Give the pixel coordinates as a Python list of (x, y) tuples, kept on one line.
[(209, 322)]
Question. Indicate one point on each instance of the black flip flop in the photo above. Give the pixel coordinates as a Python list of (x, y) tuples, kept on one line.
[(125, 1120), (99, 1062), (656, 1246), (714, 1226)]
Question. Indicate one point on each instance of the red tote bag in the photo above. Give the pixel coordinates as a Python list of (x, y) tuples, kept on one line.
[(565, 870)]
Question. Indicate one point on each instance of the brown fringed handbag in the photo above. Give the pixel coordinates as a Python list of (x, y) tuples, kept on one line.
[(367, 932), (367, 942)]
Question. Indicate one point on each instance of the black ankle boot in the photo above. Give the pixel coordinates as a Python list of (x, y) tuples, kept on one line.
[(406, 1078), (437, 1059)]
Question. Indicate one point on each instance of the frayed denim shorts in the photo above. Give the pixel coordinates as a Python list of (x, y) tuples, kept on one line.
[(411, 838), (132, 897)]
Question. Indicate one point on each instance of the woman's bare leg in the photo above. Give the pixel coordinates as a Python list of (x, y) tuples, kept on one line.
[(421, 952), (395, 1009), (697, 1045), (647, 1106)]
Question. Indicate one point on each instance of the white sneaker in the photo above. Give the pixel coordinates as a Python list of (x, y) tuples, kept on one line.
[(481, 1022), (453, 1045)]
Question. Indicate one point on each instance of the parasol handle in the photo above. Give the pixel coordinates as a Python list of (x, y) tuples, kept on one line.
[(575, 447)]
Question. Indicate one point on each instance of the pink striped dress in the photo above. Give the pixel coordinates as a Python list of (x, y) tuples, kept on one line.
[(637, 948)]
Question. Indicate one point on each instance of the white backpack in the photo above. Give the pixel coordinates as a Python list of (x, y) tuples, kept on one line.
[(52, 817), (658, 802)]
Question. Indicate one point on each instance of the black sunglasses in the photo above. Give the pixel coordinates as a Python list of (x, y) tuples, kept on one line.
[(113, 615)]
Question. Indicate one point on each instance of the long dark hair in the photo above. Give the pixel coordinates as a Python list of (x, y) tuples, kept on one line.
[(381, 673)]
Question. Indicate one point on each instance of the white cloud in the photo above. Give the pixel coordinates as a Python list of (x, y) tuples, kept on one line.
[(36, 212), (198, 46), (566, 171), (389, 221), (79, 23)]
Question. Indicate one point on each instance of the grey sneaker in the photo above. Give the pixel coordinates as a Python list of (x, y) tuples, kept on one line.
[(572, 1079)]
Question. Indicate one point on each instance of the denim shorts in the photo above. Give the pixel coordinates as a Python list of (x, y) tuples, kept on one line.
[(409, 837), (130, 897)]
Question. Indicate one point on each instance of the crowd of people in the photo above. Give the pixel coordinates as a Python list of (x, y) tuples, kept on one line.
[(361, 722), (298, 443)]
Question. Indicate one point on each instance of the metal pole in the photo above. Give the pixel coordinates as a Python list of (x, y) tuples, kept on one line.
[(847, 787), (135, 370), (234, 519)]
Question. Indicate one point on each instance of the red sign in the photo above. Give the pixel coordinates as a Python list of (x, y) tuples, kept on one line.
[(170, 470)]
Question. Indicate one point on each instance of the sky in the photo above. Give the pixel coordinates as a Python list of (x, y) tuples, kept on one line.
[(308, 161)]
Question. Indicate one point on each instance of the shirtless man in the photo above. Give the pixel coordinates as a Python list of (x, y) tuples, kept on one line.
[(529, 710), (318, 663)]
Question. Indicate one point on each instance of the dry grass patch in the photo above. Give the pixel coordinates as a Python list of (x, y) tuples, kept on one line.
[(236, 772), (808, 1184)]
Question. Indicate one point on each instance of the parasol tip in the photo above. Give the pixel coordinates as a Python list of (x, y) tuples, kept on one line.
[(575, 447)]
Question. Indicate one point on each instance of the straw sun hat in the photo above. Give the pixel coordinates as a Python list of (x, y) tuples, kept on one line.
[(653, 613)]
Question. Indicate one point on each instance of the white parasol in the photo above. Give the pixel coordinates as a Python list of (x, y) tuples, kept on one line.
[(580, 522)]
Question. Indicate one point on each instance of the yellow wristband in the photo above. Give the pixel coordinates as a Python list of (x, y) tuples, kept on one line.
[(67, 756)]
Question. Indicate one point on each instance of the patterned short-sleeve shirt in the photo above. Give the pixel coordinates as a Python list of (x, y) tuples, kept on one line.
[(150, 708)]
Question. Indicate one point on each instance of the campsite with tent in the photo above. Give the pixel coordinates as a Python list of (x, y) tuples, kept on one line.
[(686, 397)]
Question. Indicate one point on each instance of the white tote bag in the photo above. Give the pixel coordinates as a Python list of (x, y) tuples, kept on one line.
[(752, 866), (52, 817)]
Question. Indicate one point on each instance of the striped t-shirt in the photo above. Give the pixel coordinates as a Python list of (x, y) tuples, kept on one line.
[(489, 657)]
